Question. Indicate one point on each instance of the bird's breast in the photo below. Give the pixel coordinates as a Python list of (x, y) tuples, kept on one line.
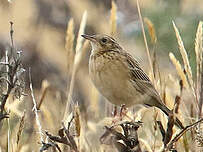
[(111, 78), (107, 70)]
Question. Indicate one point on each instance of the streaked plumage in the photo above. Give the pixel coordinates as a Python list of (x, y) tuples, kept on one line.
[(118, 76)]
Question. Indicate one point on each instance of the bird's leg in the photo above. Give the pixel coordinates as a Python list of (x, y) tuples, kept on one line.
[(123, 111), (114, 111), (120, 115)]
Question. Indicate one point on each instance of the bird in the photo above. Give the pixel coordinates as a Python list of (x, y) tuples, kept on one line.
[(118, 76)]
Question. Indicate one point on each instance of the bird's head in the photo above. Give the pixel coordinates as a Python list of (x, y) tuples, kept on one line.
[(102, 42)]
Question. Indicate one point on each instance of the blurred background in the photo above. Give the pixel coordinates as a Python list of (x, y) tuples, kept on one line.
[(40, 31)]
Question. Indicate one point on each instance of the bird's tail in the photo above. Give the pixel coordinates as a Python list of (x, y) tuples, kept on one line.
[(178, 123)]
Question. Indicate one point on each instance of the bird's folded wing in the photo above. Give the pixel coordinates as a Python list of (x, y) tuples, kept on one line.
[(140, 80)]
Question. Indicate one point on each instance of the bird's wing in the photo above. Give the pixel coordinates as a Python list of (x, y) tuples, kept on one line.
[(136, 72), (140, 80)]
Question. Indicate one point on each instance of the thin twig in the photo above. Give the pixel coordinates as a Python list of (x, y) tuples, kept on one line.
[(35, 107), (178, 136), (10, 75), (169, 131), (45, 87), (7, 70), (66, 138), (145, 41), (4, 63), (20, 129), (11, 37)]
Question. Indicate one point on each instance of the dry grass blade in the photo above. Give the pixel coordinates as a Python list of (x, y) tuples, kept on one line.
[(80, 39), (155, 66), (77, 120), (161, 128), (113, 18), (151, 29), (70, 36), (77, 59), (177, 104), (20, 129), (198, 52), (81, 54), (169, 131), (185, 59), (185, 143), (179, 69), (35, 108), (146, 145), (145, 41), (45, 86), (81, 31), (201, 95)]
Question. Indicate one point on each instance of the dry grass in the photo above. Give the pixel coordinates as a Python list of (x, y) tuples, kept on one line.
[(179, 69), (78, 124), (113, 19), (70, 36), (145, 41), (77, 58), (185, 59), (151, 29)]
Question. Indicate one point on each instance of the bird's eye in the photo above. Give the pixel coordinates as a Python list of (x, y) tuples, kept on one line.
[(104, 40)]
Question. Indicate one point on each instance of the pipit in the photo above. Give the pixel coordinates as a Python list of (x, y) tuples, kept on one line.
[(118, 76)]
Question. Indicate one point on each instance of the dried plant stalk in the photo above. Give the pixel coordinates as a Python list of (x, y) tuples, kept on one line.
[(185, 59), (151, 29), (181, 133), (179, 69), (198, 52), (70, 36), (113, 18), (20, 129), (81, 31), (201, 95), (81, 54), (77, 59), (44, 89), (169, 131), (39, 127), (145, 144), (155, 66), (77, 120), (145, 41)]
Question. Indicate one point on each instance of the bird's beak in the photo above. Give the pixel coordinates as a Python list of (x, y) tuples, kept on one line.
[(92, 38)]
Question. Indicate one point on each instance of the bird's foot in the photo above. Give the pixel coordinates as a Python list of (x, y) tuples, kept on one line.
[(119, 116)]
